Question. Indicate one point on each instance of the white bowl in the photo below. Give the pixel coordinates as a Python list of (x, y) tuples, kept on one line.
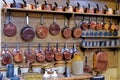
[(60, 69), (24, 70), (36, 69)]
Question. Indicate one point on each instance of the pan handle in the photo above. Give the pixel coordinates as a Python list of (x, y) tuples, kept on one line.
[(65, 21), (4, 2), (57, 46), (54, 19), (14, 1), (56, 4), (9, 18), (6, 48), (41, 19), (39, 47), (17, 46), (27, 18)]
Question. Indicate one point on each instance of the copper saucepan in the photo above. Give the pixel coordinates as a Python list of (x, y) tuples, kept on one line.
[(26, 5), (5, 4), (79, 8), (57, 7), (16, 5), (46, 6), (68, 8), (9, 29)]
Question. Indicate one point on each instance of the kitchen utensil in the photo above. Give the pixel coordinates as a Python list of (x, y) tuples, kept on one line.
[(26, 5), (29, 54), (108, 11), (16, 5), (99, 10), (40, 55), (79, 8), (58, 53), (6, 56), (74, 50), (66, 31), (27, 32), (68, 8), (46, 6), (89, 9), (41, 31), (9, 29), (58, 7), (76, 31), (54, 28), (87, 68), (6, 4), (17, 54), (49, 55), (66, 53)]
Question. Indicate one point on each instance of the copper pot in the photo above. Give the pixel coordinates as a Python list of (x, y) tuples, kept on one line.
[(47, 6), (78, 8), (57, 7), (16, 5), (99, 10), (68, 8), (27, 6), (89, 9), (5, 4), (37, 5), (108, 11)]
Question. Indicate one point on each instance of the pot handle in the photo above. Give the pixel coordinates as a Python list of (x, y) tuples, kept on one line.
[(17, 46), (41, 19), (27, 18), (56, 4), (9, 18), (4, 2)]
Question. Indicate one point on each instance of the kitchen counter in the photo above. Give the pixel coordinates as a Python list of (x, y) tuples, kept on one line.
[(73, 77)]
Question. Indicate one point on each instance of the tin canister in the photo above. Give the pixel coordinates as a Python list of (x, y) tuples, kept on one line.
[(10, 70), (1, 76)]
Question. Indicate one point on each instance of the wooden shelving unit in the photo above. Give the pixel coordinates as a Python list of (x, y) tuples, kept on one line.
[(57, 12)]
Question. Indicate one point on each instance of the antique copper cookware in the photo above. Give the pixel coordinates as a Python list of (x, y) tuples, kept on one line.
[(29, 54), (68, 8), (58, 54), (79, 8), (6, 5), (46, 6), (40, 55), (49, 54), (108, 11), (27, 32), (66, 31), (54, 28), (42, 30), (16, 5), (17, 54), (57, 7), (6, 56), (9, 29), (26, 5)]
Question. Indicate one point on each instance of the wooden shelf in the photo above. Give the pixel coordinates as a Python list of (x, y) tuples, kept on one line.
[(101, 47), (99, 15), (105, 37), (67, 14), (57, 12)]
